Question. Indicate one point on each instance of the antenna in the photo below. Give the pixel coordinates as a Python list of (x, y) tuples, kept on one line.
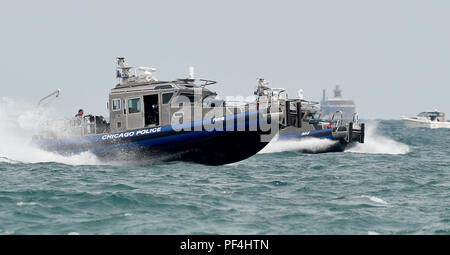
[(191, 73), (300, 94), (263, 82), (125, 69), (56, 92), (121, 62)]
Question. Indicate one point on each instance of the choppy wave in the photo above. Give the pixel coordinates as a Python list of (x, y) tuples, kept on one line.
[(377, 143), (375, 199), (269, 193), (20, 122)]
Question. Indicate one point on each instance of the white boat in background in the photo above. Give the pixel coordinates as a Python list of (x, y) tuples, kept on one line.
[(428, 119)]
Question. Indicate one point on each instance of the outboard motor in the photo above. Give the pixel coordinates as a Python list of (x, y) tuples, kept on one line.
[(350, 132)]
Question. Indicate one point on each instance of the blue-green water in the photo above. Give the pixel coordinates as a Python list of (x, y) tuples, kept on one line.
[(396, 183)]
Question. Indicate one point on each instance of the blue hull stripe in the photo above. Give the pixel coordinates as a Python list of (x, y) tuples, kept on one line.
[(150, 141), (169, 128), (309, 133)]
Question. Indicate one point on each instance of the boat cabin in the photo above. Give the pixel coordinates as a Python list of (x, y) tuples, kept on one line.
[(433, 115), (140, 100)]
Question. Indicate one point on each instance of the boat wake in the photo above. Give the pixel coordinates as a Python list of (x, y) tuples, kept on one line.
[(376, 143), (308, 144), (20, 122)]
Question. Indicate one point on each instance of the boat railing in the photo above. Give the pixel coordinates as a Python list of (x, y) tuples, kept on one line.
[(85, 125), (355, 118), (338, 121), (73, 127), (54, 93)]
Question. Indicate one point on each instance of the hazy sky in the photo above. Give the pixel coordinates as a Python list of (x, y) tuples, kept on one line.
[(392, 57)]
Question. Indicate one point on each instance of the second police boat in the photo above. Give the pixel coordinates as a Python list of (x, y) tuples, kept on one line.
[(302, 120)]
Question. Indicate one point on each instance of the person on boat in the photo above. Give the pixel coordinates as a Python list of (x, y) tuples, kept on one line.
[(80, 113), (78, 121), (155, 112)]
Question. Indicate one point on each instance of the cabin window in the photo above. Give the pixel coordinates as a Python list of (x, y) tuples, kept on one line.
[(116, 104), (166, 97), (134, 105), (313, 116)]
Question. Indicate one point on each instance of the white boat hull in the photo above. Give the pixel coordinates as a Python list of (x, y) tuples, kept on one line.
[(417, 123)]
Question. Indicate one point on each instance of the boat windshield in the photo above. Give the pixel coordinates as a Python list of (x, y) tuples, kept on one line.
[(433, 116), (313, 116)]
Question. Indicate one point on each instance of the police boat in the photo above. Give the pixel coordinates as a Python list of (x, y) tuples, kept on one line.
[(303, 121), (152, 120)]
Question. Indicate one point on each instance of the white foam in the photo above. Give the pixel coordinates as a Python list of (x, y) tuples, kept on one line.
[(26, 203), (73, 234), (6, 232), (375, 143), (375, 199), (371, 233), (311, 143), (19, 122)]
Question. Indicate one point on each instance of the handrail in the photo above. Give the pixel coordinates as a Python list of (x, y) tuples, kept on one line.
[(56, 92), (355, 118), (339, 120), (207, 82)]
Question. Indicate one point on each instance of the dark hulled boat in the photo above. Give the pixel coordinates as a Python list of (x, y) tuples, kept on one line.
[(151, 120), (303, 120)]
